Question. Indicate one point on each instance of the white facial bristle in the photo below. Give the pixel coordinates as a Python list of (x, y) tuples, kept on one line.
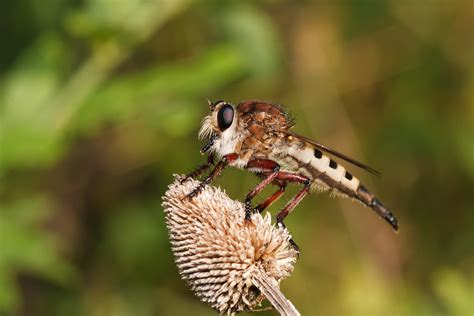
[(206, 128)]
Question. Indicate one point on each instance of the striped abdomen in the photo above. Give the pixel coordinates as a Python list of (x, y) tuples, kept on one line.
[(328, 174)]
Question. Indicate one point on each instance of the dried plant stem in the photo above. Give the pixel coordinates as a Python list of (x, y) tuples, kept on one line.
[(269, 287)]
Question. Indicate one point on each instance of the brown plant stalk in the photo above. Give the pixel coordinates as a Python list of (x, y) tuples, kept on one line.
[(229, 263)]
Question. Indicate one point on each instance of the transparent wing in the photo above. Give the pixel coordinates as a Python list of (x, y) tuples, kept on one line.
[(335, 153)]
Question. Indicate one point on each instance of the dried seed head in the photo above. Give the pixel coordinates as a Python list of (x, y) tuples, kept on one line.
[(218, 253)]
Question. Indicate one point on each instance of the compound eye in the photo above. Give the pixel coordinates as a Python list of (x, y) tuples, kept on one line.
[(225, 116)]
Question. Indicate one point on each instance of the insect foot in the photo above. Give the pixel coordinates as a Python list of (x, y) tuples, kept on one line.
[(291, 241), (183, 179), (248, 210), (228, 264), (194, 193)]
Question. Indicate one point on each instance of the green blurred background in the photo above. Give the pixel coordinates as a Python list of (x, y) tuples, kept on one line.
[(101, 101)]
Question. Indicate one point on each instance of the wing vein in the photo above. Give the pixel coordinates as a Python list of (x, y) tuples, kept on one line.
[(336, 153)]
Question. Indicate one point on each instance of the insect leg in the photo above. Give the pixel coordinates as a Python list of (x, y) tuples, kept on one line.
[(270, 168), (275, 196), (199, 170), (213, 174), (298, 178), (292, 203)]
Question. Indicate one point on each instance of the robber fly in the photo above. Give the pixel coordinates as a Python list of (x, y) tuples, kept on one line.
[(257, 136)]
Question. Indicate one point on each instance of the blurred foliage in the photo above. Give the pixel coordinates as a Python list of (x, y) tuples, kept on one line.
[(101, 101)]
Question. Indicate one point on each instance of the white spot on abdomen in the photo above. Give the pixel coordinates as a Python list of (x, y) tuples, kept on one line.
[(306, 155), (352, 184), (321, 164), (336, 174)]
